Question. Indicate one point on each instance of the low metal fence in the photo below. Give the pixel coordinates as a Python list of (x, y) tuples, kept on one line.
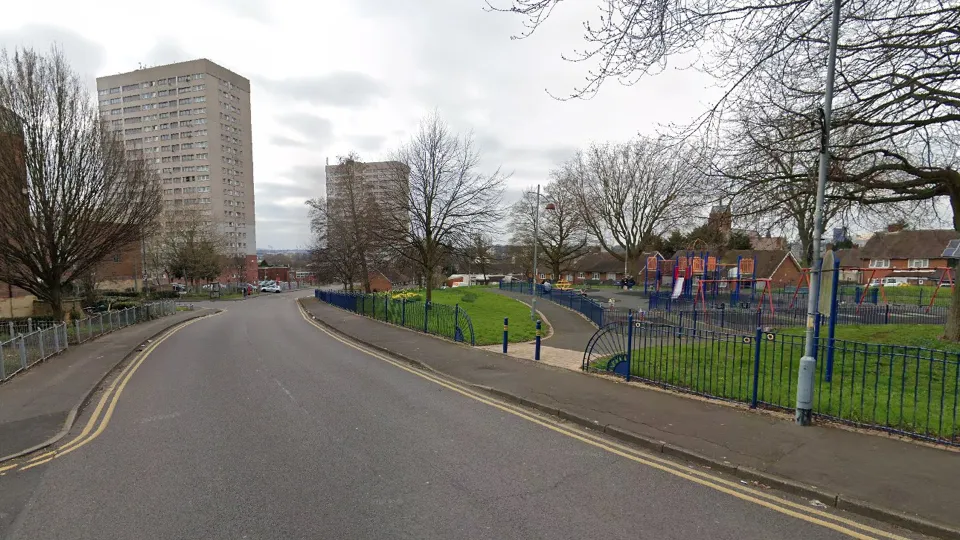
[(716, 317), (594, 311), (22, 350), (906, 390), (916, 296), (451, 322)]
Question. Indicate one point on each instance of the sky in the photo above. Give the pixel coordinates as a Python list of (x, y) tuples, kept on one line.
[(330, 77)]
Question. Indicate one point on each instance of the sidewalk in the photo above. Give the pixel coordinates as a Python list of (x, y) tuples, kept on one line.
[(900, 482), (571, 331), (36, 404)]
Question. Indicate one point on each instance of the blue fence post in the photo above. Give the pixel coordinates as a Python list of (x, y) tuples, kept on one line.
[(386, 307), (426, 316), (456, 320), (629, 345), (832, 322), (505, 326), (886, 314), (756, 367), (403, 312), (694, 320), (536, 352)]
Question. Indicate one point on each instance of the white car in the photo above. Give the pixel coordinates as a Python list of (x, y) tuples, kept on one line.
[(270, 288)]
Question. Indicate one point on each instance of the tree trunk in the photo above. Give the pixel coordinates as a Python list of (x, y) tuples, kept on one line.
[(56, 300), (952, 330), (429, 285)]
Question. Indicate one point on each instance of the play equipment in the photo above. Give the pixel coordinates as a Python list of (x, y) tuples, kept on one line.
[(682, 275)]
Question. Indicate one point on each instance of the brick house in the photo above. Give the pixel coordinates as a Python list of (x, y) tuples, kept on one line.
[(122, 269), (912, 255), (273, 273), (850, 264), (603, 267), (387, 280), (777, 265)]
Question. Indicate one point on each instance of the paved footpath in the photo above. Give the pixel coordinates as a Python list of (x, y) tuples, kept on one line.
[(850, 470), (35, 404)]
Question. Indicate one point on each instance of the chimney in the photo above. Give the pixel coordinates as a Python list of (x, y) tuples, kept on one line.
[(895, 227)]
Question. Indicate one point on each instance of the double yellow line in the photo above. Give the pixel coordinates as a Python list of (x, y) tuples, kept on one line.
[(787, 507), (104, 411)]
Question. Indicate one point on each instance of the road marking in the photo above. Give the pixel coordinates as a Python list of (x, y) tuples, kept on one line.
[(108, 400), (734, 489)]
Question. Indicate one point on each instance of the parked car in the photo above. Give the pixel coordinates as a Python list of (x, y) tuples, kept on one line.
[(270, 288)]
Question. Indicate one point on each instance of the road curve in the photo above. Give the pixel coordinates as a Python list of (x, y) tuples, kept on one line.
[(255, 424)]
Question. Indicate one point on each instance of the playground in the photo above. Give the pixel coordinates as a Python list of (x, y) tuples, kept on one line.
[(724, 332)]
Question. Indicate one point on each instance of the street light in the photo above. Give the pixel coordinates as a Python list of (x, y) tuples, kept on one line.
[(808, 364), (536, 242)]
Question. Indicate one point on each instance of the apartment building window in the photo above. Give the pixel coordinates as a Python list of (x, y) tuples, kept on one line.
[(918, 263), (148, 84), (199, 99), (185, 101), (879, 263), (203, 156), (115, 90), (185, 123), (131, 109), (183, 78), (164, 126), (131, 142), (187, 157), (199, 121), (149, 128), (116, 123), (148, 95), (132, 120), (200, 144), (185, 112), (149, 117), (163, 93), (201, 110), (148, 106)]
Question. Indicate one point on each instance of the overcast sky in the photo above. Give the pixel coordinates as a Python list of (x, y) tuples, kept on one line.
[(329, 76)]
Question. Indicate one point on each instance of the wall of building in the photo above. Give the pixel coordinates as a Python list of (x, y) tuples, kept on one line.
[(786, 275), (869, 274)]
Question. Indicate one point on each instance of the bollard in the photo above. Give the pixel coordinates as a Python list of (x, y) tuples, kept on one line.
[(504, 335), (536, 352)]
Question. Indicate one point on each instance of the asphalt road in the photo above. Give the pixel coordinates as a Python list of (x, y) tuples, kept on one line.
[(254, 424)]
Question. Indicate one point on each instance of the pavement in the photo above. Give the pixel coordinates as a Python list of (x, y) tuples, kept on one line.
[(894, 480), (35, 406), (571, 331), (256, 424)]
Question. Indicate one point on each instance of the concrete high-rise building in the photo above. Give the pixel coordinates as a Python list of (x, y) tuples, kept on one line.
[(376, 178), (192, 120)]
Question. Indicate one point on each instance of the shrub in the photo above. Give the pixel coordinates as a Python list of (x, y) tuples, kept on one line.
[(409, 296), (469, 297)]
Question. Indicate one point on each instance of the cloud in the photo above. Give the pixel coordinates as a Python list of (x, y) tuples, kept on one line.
[(280, 140), (85, 56), (338, 89), (307, 175), (256, 10), (368, 143), (318, 130), (166, 51)]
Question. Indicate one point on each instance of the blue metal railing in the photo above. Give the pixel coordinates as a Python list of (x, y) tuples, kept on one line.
[(918, 296), (450, 322), (906, 390), (594, 311)]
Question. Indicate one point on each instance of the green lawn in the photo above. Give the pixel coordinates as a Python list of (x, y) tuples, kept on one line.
[(910, 335), (487, 311), (206, 296), (888, 385)]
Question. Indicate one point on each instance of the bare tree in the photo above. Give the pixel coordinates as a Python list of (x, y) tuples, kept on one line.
[(630, 193), (437, 197), (563, 233), (346, 225), (480, 251), (898, 79), (70, 195), (187, 244)]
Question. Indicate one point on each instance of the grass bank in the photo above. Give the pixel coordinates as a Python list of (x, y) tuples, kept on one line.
[(487, 310)]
